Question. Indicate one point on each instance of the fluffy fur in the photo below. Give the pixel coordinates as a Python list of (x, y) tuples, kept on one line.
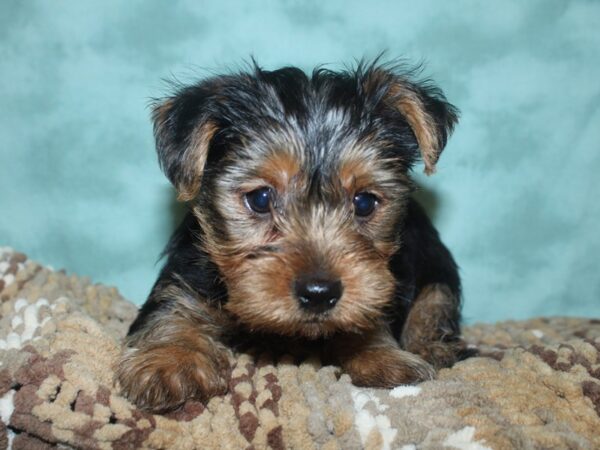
[(314, 143)]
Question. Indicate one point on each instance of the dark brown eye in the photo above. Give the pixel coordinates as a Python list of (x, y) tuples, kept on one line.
[(259, 200), (364, 204)]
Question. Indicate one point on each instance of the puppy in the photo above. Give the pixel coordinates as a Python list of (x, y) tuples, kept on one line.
[(301, 231)]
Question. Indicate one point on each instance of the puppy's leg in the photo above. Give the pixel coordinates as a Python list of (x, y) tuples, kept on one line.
[(174, 353), (432, 328), (375, 359)]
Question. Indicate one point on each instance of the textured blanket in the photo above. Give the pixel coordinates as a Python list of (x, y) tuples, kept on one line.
[(536, 385)]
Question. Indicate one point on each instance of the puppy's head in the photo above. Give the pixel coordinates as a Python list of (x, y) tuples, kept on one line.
[(299, 184)]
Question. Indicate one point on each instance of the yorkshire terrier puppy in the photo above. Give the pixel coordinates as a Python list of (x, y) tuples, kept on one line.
[(301, 226)]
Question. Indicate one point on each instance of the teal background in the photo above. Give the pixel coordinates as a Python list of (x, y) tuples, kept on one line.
[(515, 197)]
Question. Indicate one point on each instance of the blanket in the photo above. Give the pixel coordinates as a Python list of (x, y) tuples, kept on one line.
[(536, 384)]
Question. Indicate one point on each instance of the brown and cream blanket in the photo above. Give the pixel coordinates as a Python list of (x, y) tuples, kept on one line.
[(536, 385)]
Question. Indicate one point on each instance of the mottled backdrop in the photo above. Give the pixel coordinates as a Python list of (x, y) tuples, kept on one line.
[(516, 196)]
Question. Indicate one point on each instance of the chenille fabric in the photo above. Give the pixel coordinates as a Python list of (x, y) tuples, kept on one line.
[(535, 385)]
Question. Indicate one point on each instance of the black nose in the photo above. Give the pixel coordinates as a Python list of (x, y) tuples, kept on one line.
[(317, 294)]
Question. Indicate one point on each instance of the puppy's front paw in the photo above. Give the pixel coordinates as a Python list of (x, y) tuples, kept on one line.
[(442, 354), (387, 367), (162, 378)]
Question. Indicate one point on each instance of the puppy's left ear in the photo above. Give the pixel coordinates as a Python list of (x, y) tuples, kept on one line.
[(423, 106), (430, 116)]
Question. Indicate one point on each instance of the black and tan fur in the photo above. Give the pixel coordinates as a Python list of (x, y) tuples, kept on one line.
[(231, 275)]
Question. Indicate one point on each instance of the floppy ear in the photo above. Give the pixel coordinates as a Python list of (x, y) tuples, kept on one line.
[(183, 129), (430, 116), (423, 106)]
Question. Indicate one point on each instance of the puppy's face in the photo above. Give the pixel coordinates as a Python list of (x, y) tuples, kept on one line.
[(303, 235), (299, 185)]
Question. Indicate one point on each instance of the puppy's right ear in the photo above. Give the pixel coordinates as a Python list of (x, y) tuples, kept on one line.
[(183, 129)]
